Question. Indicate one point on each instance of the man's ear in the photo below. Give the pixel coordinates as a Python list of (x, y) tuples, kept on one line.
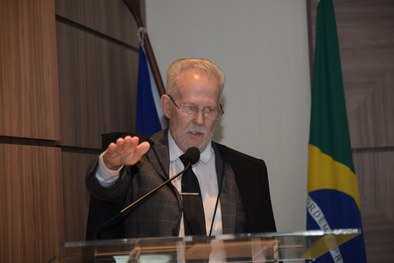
[(166, 105)]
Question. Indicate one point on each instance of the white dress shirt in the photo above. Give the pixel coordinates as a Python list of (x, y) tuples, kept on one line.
[(205, 170)]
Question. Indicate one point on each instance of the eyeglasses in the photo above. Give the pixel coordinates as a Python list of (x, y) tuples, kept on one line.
[(209, 112)]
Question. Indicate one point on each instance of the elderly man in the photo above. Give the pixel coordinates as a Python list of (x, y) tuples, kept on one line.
[(230, 192)]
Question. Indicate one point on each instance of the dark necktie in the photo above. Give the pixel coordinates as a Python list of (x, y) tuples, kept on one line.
[(193, 210)]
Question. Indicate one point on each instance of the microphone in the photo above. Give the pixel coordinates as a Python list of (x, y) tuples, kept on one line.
[(192, 155)]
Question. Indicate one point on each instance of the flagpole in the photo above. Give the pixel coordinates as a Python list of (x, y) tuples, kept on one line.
[(134, 7)]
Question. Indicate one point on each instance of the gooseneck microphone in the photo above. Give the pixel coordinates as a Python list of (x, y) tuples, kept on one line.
[(192, 155)]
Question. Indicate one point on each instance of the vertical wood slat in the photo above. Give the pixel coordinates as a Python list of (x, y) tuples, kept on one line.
[(110, 18), (374, 170), (31, 221), (97, 83), (32, 205), (31, 192), (98, 56), (29, 97), (76, 196)]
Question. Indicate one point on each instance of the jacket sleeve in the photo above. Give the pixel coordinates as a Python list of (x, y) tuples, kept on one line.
[(115, 193)]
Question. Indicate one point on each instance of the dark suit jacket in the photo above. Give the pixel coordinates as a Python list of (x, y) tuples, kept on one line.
[(245, 198)]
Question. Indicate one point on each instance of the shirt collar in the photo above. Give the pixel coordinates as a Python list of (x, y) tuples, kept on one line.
[(175, 151)]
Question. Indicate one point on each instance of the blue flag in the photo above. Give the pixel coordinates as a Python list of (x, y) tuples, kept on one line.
[(333, 196), (149, 113)]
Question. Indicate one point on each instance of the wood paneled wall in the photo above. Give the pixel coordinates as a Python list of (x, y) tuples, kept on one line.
[(31, 208), (68, 73), (28, 70), (97, 48), (366, 36), (31, 221)]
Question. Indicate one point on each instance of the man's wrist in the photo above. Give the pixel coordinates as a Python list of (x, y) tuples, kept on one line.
[(108, 172)]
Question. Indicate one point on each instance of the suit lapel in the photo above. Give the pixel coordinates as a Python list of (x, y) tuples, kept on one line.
[(228, 190), (161, 160)]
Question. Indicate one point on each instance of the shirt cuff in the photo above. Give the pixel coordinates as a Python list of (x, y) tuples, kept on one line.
[(104, 175)]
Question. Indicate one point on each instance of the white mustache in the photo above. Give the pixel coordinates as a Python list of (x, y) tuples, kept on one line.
[(198, 129)]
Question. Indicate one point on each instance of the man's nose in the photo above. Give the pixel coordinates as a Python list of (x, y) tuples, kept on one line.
[(200, 117)]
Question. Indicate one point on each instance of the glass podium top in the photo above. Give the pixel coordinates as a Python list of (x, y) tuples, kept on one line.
[(264, 247)]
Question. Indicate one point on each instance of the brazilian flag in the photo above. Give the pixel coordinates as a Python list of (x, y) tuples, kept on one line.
[(333, 196)]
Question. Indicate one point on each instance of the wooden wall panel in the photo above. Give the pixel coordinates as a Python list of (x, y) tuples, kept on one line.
[(97, 54), (98, 57), (366, 36), (111, 18), (28, 70), (97, 82), (31, 191), (371, 108), (375, 170), (31, 221), (76, 196)]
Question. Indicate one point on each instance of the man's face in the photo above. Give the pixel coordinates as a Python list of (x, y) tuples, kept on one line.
[(193, 88)]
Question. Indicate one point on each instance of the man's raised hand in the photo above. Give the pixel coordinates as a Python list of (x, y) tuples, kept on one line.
[(125, 151)]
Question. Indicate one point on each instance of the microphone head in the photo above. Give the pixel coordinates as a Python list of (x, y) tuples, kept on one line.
[(192, 155)]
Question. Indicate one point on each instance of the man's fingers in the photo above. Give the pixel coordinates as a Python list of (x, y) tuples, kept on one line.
[(136, 155), (125, 151), (129, 143), (123, 146), (142, 149)]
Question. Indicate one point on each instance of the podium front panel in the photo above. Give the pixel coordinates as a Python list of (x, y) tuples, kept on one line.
[(264, 247)]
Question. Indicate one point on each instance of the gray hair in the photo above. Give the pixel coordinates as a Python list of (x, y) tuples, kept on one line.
[(204, 65)]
